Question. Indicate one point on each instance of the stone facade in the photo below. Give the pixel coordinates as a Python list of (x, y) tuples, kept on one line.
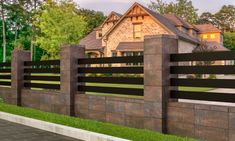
[(124, 32)]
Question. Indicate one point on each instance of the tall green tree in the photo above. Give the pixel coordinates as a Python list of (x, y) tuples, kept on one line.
[(182, 8), (59, 24), (3, 29), (223, 19), (229, 40), (92, 18)]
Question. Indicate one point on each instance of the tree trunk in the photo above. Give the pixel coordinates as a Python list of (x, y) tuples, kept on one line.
[(3, 32)]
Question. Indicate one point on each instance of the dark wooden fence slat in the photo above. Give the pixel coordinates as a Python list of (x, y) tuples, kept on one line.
[(207, 56), (42, 70), (134, 70), (112, 90), (5, 76), (202, 69), (115, 80), (39, 85), (8, 64), (207, 96), (110, 60), (43, 78), (38, 63), (5, 83), (215, 83), (5, 70)]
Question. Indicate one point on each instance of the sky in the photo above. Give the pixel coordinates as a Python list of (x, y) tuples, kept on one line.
[(121, 6)]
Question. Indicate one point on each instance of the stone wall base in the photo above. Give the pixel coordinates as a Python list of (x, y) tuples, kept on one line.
[(206, 122)]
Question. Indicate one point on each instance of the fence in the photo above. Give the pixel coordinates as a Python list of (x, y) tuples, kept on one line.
[(34, 70), (211, 83), (5, 76), (61, 86), (111, 80)]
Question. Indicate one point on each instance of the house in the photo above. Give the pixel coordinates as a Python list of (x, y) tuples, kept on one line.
[(123, 35)]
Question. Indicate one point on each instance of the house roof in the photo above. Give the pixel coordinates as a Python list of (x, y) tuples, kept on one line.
[(112, 13), (91, 43), (130, 46), (164, 22), (179, 21), (207, 28), (217, 46)]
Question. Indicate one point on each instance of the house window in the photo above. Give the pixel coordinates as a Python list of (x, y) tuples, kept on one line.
[(205, 37), (212, 36), (137, 30), (114, 54), (100, 35)]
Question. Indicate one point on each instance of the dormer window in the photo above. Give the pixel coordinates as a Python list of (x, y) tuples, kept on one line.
[(137, 30), (100, 35)]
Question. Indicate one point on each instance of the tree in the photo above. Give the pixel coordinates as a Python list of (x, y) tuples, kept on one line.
[(224, 19), (92, 18), (229, 40), (182, 8), (59, 24), (3, 29)]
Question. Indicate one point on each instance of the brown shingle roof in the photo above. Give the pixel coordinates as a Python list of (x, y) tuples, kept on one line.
[(179, 21), (91, 43), (171, 26), (207, 28), (216, 46), (130, 46)]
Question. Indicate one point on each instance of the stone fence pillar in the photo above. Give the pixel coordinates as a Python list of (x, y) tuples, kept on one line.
[(157, 50), (68, 70), (17, 74)]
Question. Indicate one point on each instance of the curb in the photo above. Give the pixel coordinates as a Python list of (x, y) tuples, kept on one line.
[(59, 129)]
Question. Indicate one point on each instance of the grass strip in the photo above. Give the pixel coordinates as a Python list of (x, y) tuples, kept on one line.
[(90, 125)]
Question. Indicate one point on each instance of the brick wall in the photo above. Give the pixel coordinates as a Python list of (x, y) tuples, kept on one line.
[(123, 111), (5, 94), (206, 122)]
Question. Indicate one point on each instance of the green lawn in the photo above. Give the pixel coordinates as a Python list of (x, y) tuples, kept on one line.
[(99, 127)]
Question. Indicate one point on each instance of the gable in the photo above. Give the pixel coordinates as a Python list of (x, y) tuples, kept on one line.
[(112, 18), (135, 12), (139, 11)]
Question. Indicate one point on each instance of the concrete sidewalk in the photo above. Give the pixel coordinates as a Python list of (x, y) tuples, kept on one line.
[(15, 132)]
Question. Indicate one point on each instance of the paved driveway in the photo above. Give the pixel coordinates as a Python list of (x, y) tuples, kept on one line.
[(16, 132)]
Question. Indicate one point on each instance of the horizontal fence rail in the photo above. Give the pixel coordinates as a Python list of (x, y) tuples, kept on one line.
[(44, 86), (46, 77), (124, 83), (214, 83), (203, 69), (42, 70), (207, 56), (44, 63), (203, 82), (5, 70), (42, 78), (108, 60), (115, 80), (133, 70), (112, 90), (206, 96), (5, 64)]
